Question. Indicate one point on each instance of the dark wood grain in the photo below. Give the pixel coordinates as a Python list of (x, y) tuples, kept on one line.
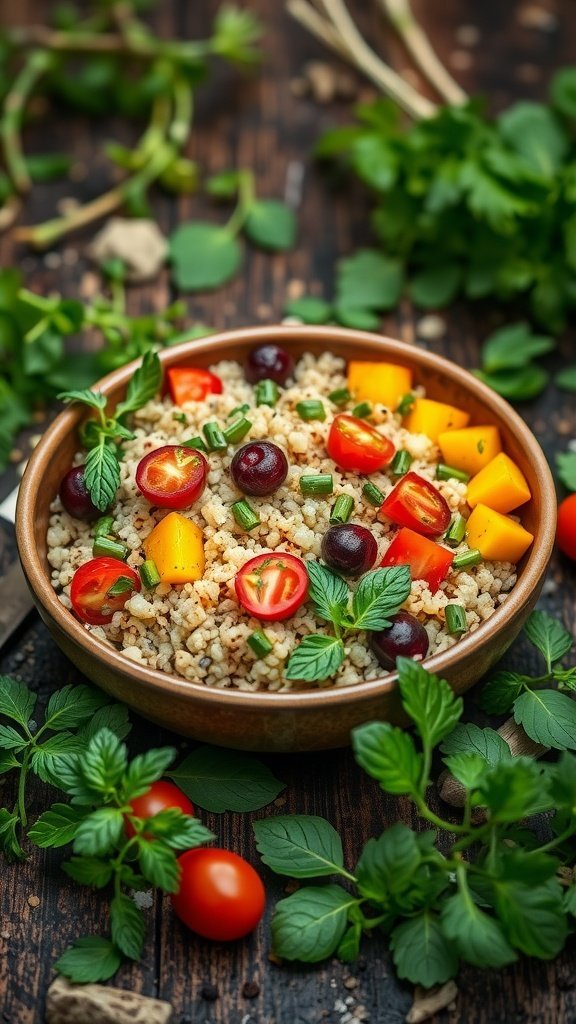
[(261, 124)]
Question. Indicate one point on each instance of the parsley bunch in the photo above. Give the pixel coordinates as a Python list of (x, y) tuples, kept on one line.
[(378, 596), (480, 891)]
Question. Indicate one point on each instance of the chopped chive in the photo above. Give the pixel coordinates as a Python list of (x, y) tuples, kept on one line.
[(180, 417), (239, 410), (214, 437), (401, 463), (319, 483), (267, 392), (237, 430), (104, 526), (195, 442), (405, 404), (123, 585), (362, 410), (109, 548), (456, 623), (244, 515), (456, 531), (340, 397), (373, 494), (342, 509), (311, 409), (467, 558), (444, 472), (149, 574), (259, 643)]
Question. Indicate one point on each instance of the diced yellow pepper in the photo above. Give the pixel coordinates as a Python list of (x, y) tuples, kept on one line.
[(176, 547), (497, 537), (470, 449), (500, 485), (379, 382), (433, 418)]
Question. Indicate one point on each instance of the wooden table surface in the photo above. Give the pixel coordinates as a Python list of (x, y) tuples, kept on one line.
[(261, 124)]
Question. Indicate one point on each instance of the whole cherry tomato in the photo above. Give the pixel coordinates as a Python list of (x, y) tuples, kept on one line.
[(172, 476), (272, 586), (566, 529), (220, 896), (101, 587), (417, 504), (355, 445), (160, 797)]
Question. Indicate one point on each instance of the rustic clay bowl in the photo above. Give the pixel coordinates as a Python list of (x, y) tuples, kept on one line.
[(315, 719)]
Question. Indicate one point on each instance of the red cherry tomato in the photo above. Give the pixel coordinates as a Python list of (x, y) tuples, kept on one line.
[(417, 504), (427, 560), (272, 587), (161, 796), (191, 384), (172, 476), (566, 529), (355, 445), (220, 895), (91, 585)]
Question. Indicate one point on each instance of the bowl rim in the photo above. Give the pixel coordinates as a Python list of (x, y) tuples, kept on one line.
[(161, 682)]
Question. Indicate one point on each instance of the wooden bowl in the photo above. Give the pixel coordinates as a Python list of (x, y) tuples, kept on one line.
[(315, 719)]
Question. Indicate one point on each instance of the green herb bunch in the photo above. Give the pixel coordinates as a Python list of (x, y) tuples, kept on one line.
[(379, 595), (480, 891)]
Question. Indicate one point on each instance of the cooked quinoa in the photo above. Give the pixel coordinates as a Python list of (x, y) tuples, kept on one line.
[(198, 630)]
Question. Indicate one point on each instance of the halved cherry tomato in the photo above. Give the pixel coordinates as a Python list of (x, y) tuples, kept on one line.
[(172, 476), (191, 384), (417, 504), (220, 895), (355, 445), (566, 530), (427, 560), (91, 585), (161, 796), (272, 587)]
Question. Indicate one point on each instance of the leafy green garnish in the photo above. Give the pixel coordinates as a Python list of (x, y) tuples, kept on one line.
[(225, 780), (566, 468)]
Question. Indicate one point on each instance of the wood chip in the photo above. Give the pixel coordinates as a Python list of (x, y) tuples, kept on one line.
[(428, 1001), (100, 1004)]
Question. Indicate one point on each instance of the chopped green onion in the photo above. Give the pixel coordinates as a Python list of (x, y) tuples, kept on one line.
[(319, 483), (456, 531), (340, 397), (362, 410), (259, 643), (267, 392), (456, 623), (244, 515), (342, 509), (109, 548), (239, 410), (214, 437), (467, 559), (104, 526), (450, 473), (401, 463), (311, 409), (123, 585), (149, 574), (180, 417), (194, 442), (373, 494), (405, 404), (237, 430)]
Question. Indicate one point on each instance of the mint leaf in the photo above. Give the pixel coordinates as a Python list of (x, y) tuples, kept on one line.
[(159, 865), (203, 256), (499, 694), (113, 717), (144, 769), (513, 789), (127, 926), (72, 705), (358, 318), (90, 959), (487, 743), (349, 946), (516, 385), (316, 657), (102, 474), (223, 185), (513, 347), (566, 469), (429, 701), (270, 224), (549, 636), (16, 700), (9, 844), (56, 827), (547, 717), (99, 832), (226, 780), (369, 280), (379, 595), (532, 917), (144, 385), (93, 399), (89, 871), (11, 739), (563, 91), (388, 754), (310, 923), (566, 379), (468, 768), (328, 593), (299, 845), (309, 309), (178, 830), (436, 287), (46, 758), (535, 133), (104, 762), (421, 952), (477, 937), (8, 761), (387, 865)]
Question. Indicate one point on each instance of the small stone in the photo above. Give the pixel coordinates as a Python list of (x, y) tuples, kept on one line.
[(139, 243), (361, 1013), (431, 327), (350, 982), (209, 992), (250, 989), (33, 901), (467, 35)]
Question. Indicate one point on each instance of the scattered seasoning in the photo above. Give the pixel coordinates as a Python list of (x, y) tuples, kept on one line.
[(444, 472), (456, 619), (244, 515), (342, 509), (237, 430), (362, 410), (214, 437), (196, 443), (311, 409), (319, 483), (149, 574), (259, 643), (104, 546), (467, 559), (401, 463), (373, 494), (405, 404), (456, 531), (267, 392), (340, 397)]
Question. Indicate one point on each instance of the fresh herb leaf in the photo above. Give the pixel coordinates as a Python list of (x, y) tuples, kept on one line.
[(467, 737), (102, 475), (549, 636), (309, 309), (389, 755), (144, 769), (387, 865), (158, 864), (566, 469), (431, 702), (300, 846), (379, 595), (467, 767), (226, 780), (89, 871), (93, 399), (499, 694), (517, 385), (270, 224), (309, 924), (478, 938), (513, 347), (17, 702), (513, 789), (123, 585), (566, 379), (11, 739), (56, 827), (357, 318), (547, 717), (113, 717), (90, 959), (204, 256), (46, 758), (422, 953), (316, 657), (369, 280), (532, 917), (103, 763), (436, 287), (328, 593), (72, 705), (127, 926), (144, 385), (99, 832)]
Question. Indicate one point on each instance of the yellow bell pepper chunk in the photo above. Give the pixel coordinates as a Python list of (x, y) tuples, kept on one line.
[(379, 382), (497, 537), (500, 485), (433, 418), (176, 547), (470, 449)]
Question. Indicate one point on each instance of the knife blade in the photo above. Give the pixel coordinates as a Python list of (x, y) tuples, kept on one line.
[(15, 598)]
